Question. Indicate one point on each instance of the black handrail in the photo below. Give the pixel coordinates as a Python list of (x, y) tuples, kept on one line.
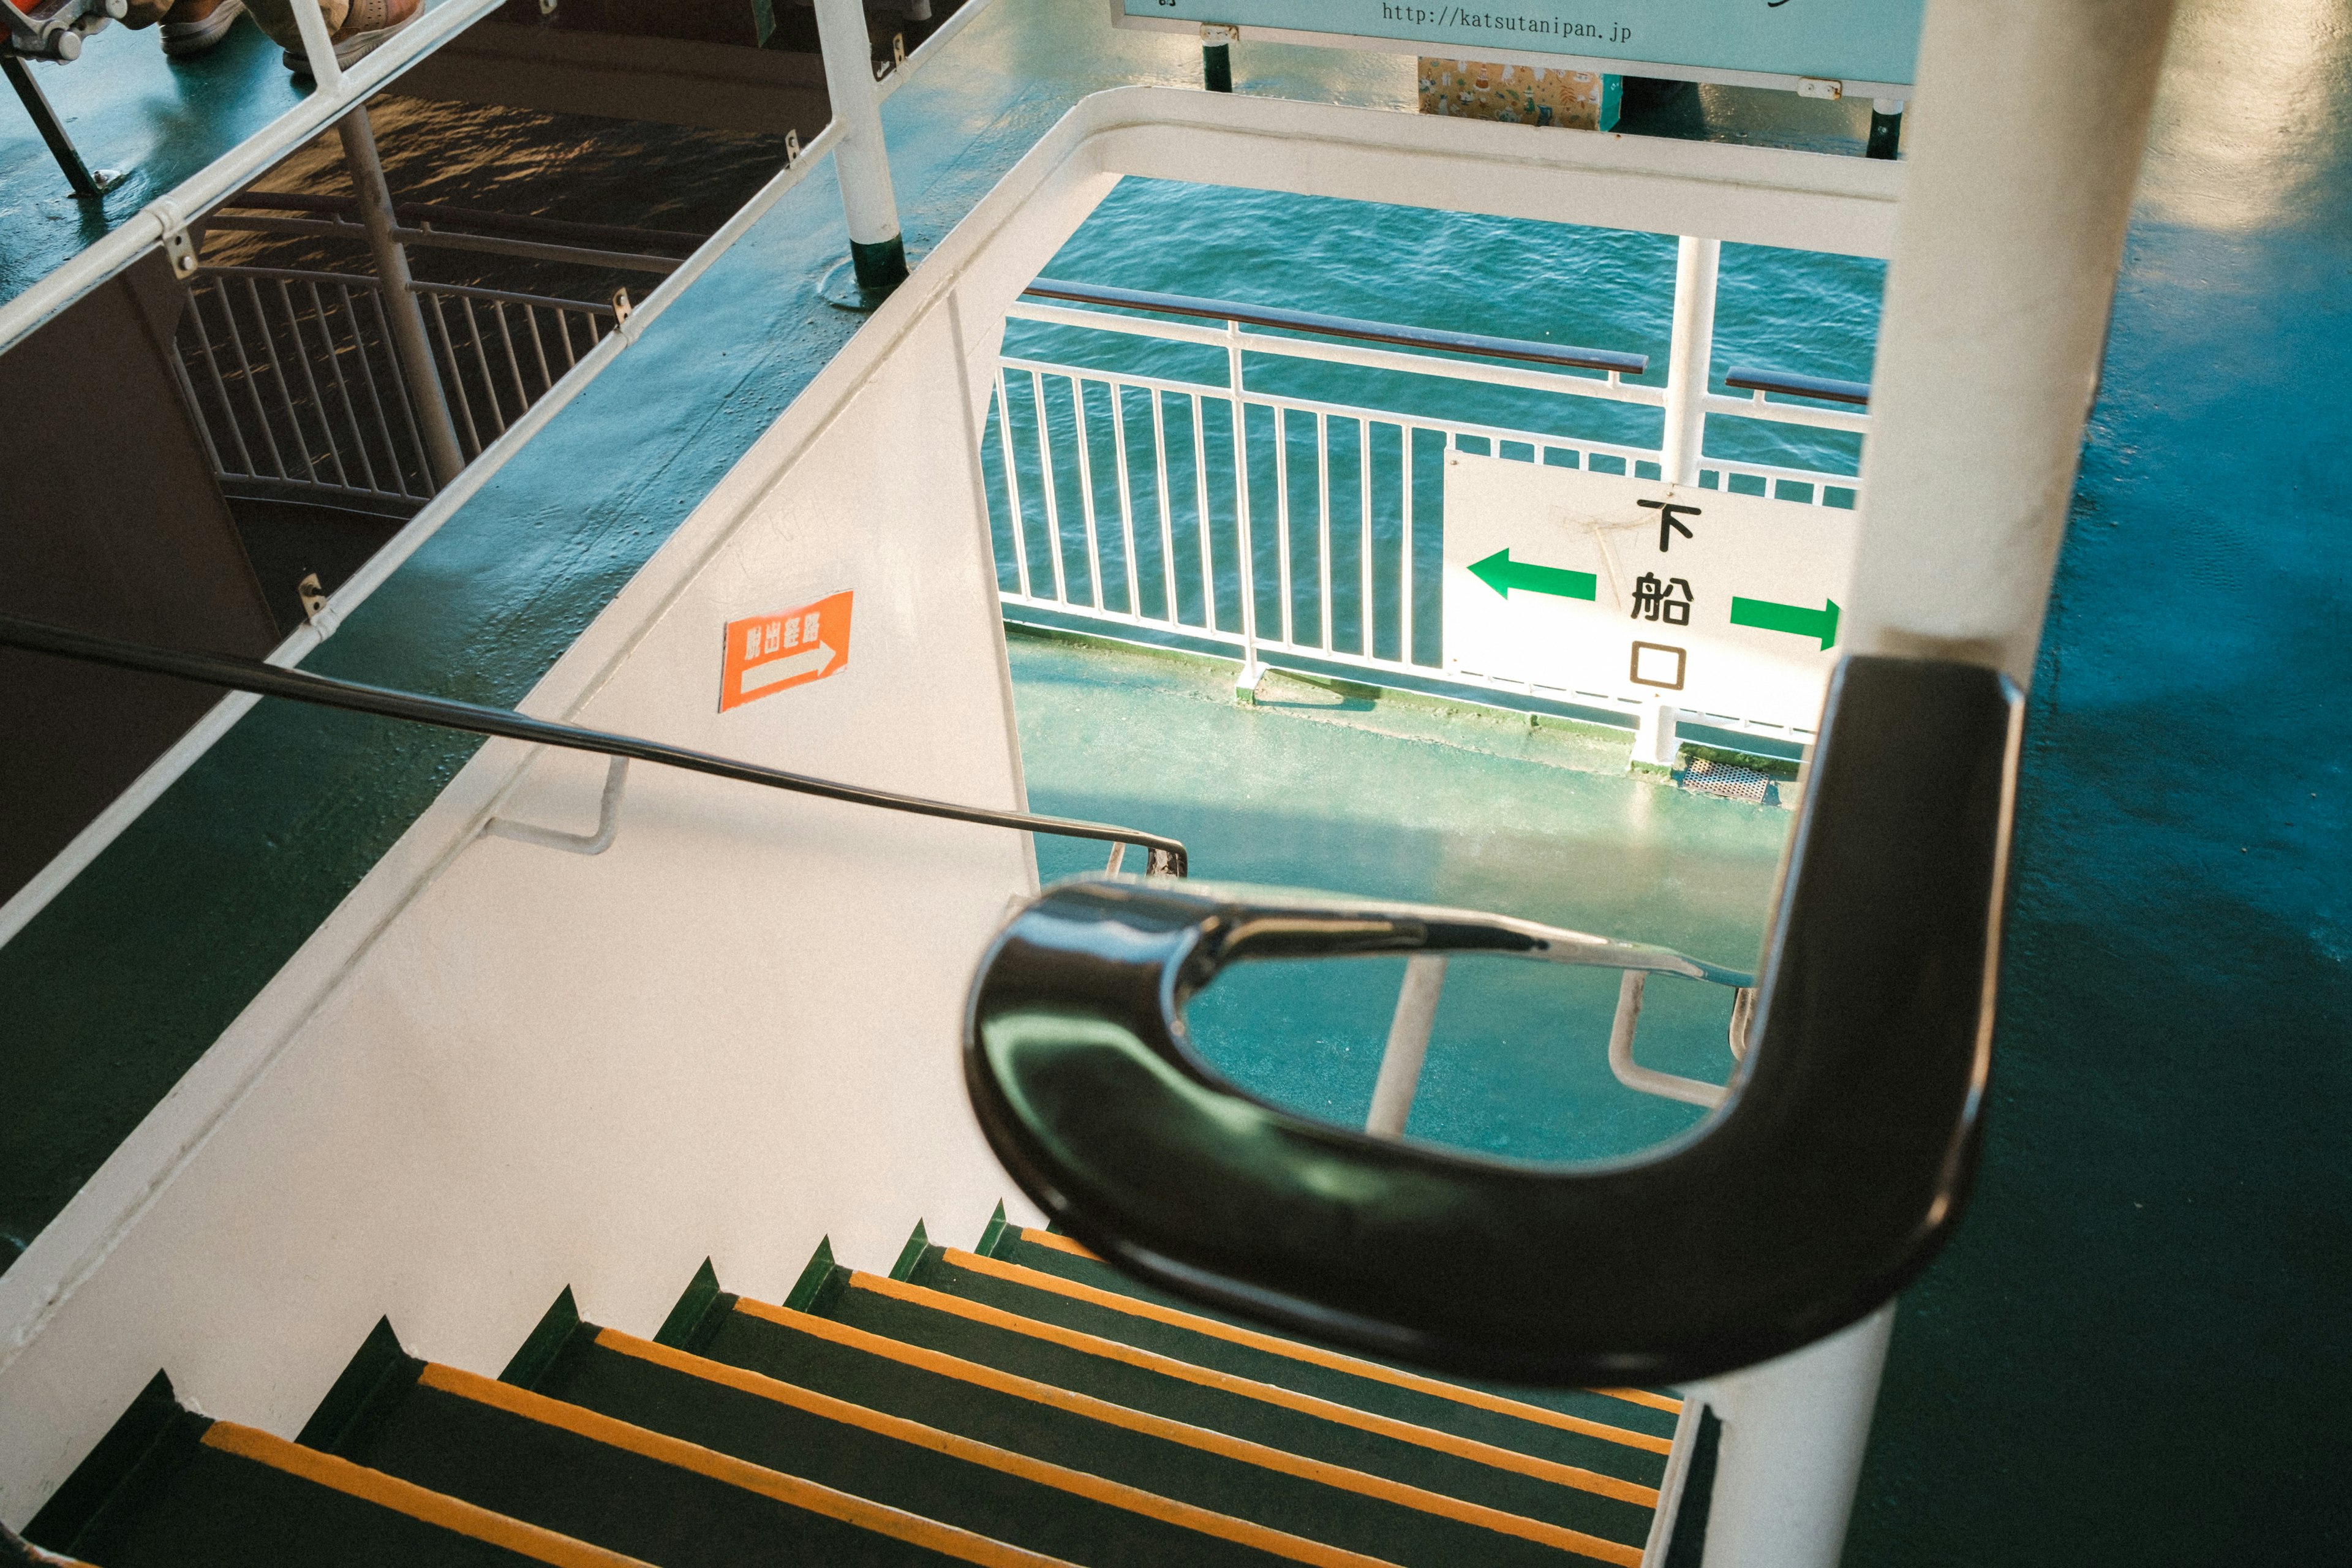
[(1836, 1166), (1166, 856), (1746, 378), (1342, 327)]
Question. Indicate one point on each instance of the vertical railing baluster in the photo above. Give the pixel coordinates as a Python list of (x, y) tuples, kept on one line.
[(1404, 553), (188, 388), (1323, 520), (1126, 502), (1046, 484), (563, 327), (538, 349), (252, 393), (514, 366), (1167, 518), (1201, 485), (1241, 495), (458, 380), (1086, 489), (482, 364), (343, 389), (1364, 533), (400, 397), (212, 366), (1281, 520), (1012, 478), (278, 378), (310, 381)]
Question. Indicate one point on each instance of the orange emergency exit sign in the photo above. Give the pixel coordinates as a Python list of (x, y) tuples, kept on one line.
[(772, 653)]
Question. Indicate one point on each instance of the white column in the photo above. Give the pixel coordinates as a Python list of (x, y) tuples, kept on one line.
[(1695, 263), (404, 316), (1793, 1434), (859, 159), (2031, 115)]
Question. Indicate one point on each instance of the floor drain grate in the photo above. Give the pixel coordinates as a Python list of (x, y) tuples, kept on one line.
[(1727, 781)]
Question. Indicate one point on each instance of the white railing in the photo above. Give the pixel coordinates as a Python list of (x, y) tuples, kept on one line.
[(298, 393), (1304, 531)]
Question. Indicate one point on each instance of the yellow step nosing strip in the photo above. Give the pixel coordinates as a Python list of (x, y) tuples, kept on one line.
[(880, 1519), (1058, 1243), (1665, 1402), (1240, 1449), (1468, 1448), (433, 1507), (1331, 1361), (1116, 1494)]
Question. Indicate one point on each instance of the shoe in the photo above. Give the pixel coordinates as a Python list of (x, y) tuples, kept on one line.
[(353, 27), (191, 26)]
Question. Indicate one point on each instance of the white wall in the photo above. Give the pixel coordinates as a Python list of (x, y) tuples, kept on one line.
[(498, 1069)]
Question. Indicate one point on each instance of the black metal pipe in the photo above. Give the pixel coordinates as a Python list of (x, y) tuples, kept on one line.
[(1342, 327), (1167, 854), (53, 131), (1815, 386)]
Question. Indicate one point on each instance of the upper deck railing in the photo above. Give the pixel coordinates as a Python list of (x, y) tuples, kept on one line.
[(1303, 531)]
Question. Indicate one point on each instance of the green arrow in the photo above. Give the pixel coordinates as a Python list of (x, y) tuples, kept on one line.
[(1502, 573), (1766, 615)]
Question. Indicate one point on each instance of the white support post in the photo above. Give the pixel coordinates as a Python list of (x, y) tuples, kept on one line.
[(1691, 357), (403, 316), (860, 161), (1408, 1047), (2024, 156), (2012, 233), (1793, 1434)]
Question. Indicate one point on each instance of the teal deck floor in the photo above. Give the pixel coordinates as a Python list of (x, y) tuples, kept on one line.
[(1406, 798)]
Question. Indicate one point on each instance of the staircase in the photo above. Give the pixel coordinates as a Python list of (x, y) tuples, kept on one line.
[(1020, 1404)]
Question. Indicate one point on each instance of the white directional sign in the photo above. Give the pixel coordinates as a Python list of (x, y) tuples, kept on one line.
[(1858, 46), (1585, 586)]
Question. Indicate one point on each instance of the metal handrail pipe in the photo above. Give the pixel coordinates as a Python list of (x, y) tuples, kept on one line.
[(174, 212), (1166, 855), (1823, 388), (453, 290), (528, 250), (509, 297), (1289, 405), (1473, 343), (490, 222), (1756, 407), (1610, 388)]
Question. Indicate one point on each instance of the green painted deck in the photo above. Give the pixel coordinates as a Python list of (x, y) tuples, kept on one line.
[(1401, 796)]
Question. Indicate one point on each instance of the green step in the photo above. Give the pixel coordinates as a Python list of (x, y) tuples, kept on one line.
[(1598, 1433), (1652, 1411), (824, 1430), (665, 1501), (184, 1491), (946, 1372)]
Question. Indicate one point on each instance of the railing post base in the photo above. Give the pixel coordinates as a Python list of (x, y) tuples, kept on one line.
[(1217, 56), (881, 265), (1246, 681), (1654, 744), (1885, 127)]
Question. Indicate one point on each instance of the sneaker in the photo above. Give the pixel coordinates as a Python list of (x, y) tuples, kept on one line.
[(355, 27), (191, 26)]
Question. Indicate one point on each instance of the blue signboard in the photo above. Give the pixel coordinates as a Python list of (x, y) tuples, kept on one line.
[(1866, 42)]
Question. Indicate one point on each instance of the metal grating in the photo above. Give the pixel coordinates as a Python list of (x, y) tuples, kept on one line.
[(1726, 780)]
